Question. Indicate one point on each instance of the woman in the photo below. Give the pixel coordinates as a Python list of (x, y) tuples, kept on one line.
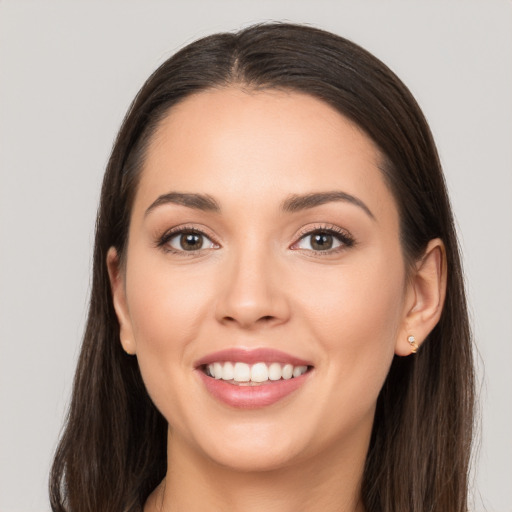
[(278, 318)]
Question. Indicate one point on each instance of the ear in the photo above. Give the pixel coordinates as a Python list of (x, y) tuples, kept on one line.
[(117, 286), (425, 296)]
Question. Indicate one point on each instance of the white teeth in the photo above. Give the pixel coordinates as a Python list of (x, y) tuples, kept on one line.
[(217, 370), (257, 373), (242, 372), (287, 371), (228, 371), (299, 370), (274, 371)]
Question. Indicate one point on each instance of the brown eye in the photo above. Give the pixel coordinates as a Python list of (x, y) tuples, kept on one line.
[(321, 241), (189, 241)]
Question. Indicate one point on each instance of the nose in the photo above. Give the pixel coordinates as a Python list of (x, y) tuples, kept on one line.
[(252, 293)]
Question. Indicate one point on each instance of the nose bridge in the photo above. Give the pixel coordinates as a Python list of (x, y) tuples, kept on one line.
[(250, 291)]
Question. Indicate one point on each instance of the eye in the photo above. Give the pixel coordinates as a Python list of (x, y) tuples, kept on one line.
[(324, 240), (187, 240)]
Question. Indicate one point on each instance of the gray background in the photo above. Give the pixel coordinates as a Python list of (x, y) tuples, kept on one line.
[(68, 71)]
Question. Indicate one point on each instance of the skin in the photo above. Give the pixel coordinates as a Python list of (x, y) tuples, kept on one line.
[(260, 283)]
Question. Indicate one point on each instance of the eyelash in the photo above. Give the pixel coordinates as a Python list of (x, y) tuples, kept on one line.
[(164, 240), (344, 237)]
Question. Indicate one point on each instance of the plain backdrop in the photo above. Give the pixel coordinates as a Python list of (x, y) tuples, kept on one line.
[(68, 71)]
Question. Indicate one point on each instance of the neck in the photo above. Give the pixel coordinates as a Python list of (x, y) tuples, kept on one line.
[(331, 483)]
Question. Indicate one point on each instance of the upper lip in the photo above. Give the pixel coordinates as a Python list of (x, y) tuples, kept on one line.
[(251, 356)]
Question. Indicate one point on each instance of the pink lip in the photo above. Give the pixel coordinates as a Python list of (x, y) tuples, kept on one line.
[(259, 355), (251, 397)]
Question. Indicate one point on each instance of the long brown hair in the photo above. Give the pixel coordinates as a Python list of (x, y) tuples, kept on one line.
[(113, 450)]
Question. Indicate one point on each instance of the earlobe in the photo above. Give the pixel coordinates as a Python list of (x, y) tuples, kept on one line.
[(425, 298), (117, 287)]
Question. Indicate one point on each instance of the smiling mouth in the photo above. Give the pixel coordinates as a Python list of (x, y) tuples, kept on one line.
[(260, 373)]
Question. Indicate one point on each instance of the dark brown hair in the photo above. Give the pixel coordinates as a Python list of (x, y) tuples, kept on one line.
[(113, 450)]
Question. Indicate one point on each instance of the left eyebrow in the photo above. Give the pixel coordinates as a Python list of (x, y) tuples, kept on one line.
[(295, 203), (196, 201)]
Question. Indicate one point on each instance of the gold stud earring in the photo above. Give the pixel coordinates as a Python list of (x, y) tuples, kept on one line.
[(414, 345)]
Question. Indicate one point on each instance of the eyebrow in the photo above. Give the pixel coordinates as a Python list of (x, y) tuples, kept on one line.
[(291, 204), (296, 203), (201, 202)]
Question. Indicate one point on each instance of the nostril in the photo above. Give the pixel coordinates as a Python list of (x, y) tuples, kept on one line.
[(266, 318)]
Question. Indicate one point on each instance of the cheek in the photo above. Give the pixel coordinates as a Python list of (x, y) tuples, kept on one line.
[(164, 305), (165, 309), (357, 299), (356, 317)]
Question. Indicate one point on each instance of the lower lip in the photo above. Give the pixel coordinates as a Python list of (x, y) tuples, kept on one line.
[(252, 397)]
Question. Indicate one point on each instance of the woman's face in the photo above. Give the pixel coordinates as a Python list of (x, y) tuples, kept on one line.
[(263, 239)]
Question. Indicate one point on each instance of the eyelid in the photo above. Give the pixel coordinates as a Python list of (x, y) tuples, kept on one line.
[(342, 235), (162, 241)]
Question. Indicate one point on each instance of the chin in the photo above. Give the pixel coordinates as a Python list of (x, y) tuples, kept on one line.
[(249, 459), (262, 446)]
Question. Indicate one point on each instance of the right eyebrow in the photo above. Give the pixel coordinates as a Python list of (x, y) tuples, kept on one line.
[(197, 201)]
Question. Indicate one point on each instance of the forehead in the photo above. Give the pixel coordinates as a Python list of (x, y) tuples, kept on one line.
[(245, 145)]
